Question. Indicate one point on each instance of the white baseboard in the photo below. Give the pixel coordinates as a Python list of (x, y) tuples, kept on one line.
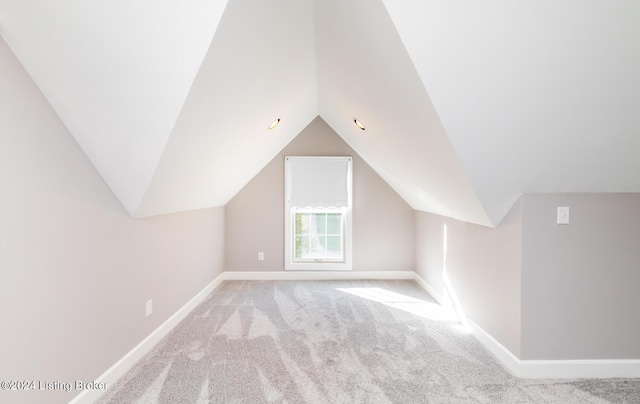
[(557, 369), (506, 357), (437, 296), (315, 275), (546, 369), (577, 369), (126, 363), (521, 368)]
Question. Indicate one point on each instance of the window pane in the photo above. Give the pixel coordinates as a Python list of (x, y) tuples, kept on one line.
[(334, 247), (319, 225), (318, 235), (302, 247), (319, 247), (334, 223), (302, 223)]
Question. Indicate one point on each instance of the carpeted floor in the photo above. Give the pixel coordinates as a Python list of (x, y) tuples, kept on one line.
[(335, 342)]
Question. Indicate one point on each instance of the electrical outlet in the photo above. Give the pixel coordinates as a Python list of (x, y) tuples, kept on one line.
[(260, 256), (149, 307)]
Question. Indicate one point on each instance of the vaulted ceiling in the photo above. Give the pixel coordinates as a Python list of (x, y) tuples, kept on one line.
[(466, 104)]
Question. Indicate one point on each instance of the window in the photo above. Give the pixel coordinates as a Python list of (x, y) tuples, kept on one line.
[(318, 213), (319, 235)]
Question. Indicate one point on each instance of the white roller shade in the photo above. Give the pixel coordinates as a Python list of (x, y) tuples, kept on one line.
[(318, 181)]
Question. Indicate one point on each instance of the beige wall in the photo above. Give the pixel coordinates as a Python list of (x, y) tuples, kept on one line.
[(75, 270), (546, 291), (484, 267), (383, 230), (581, 282)]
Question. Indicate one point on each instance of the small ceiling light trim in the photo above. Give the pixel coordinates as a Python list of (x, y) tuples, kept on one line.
[(358, 123), (275, 123)]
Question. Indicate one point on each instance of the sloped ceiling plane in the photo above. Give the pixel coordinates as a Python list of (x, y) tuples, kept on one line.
[(466, 104)]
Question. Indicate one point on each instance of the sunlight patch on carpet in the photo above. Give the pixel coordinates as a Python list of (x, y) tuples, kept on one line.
[(421, 308)]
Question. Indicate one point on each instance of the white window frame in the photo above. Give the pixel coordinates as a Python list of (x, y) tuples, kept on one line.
[(289, 221)]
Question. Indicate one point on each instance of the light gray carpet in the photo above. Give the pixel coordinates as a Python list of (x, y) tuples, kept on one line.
[(335, 342)]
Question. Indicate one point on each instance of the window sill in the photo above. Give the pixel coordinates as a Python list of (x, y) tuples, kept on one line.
[(317, 266)]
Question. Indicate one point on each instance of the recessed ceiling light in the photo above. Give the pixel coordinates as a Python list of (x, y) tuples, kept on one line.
[(274, 123), (358, 123)]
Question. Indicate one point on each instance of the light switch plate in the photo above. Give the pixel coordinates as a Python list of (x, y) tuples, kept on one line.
[(563, 215)]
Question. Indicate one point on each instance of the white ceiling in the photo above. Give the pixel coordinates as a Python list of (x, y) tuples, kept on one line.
[(365, 72), (536, 96), (116, 72), (261, 65), (467, 105)]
